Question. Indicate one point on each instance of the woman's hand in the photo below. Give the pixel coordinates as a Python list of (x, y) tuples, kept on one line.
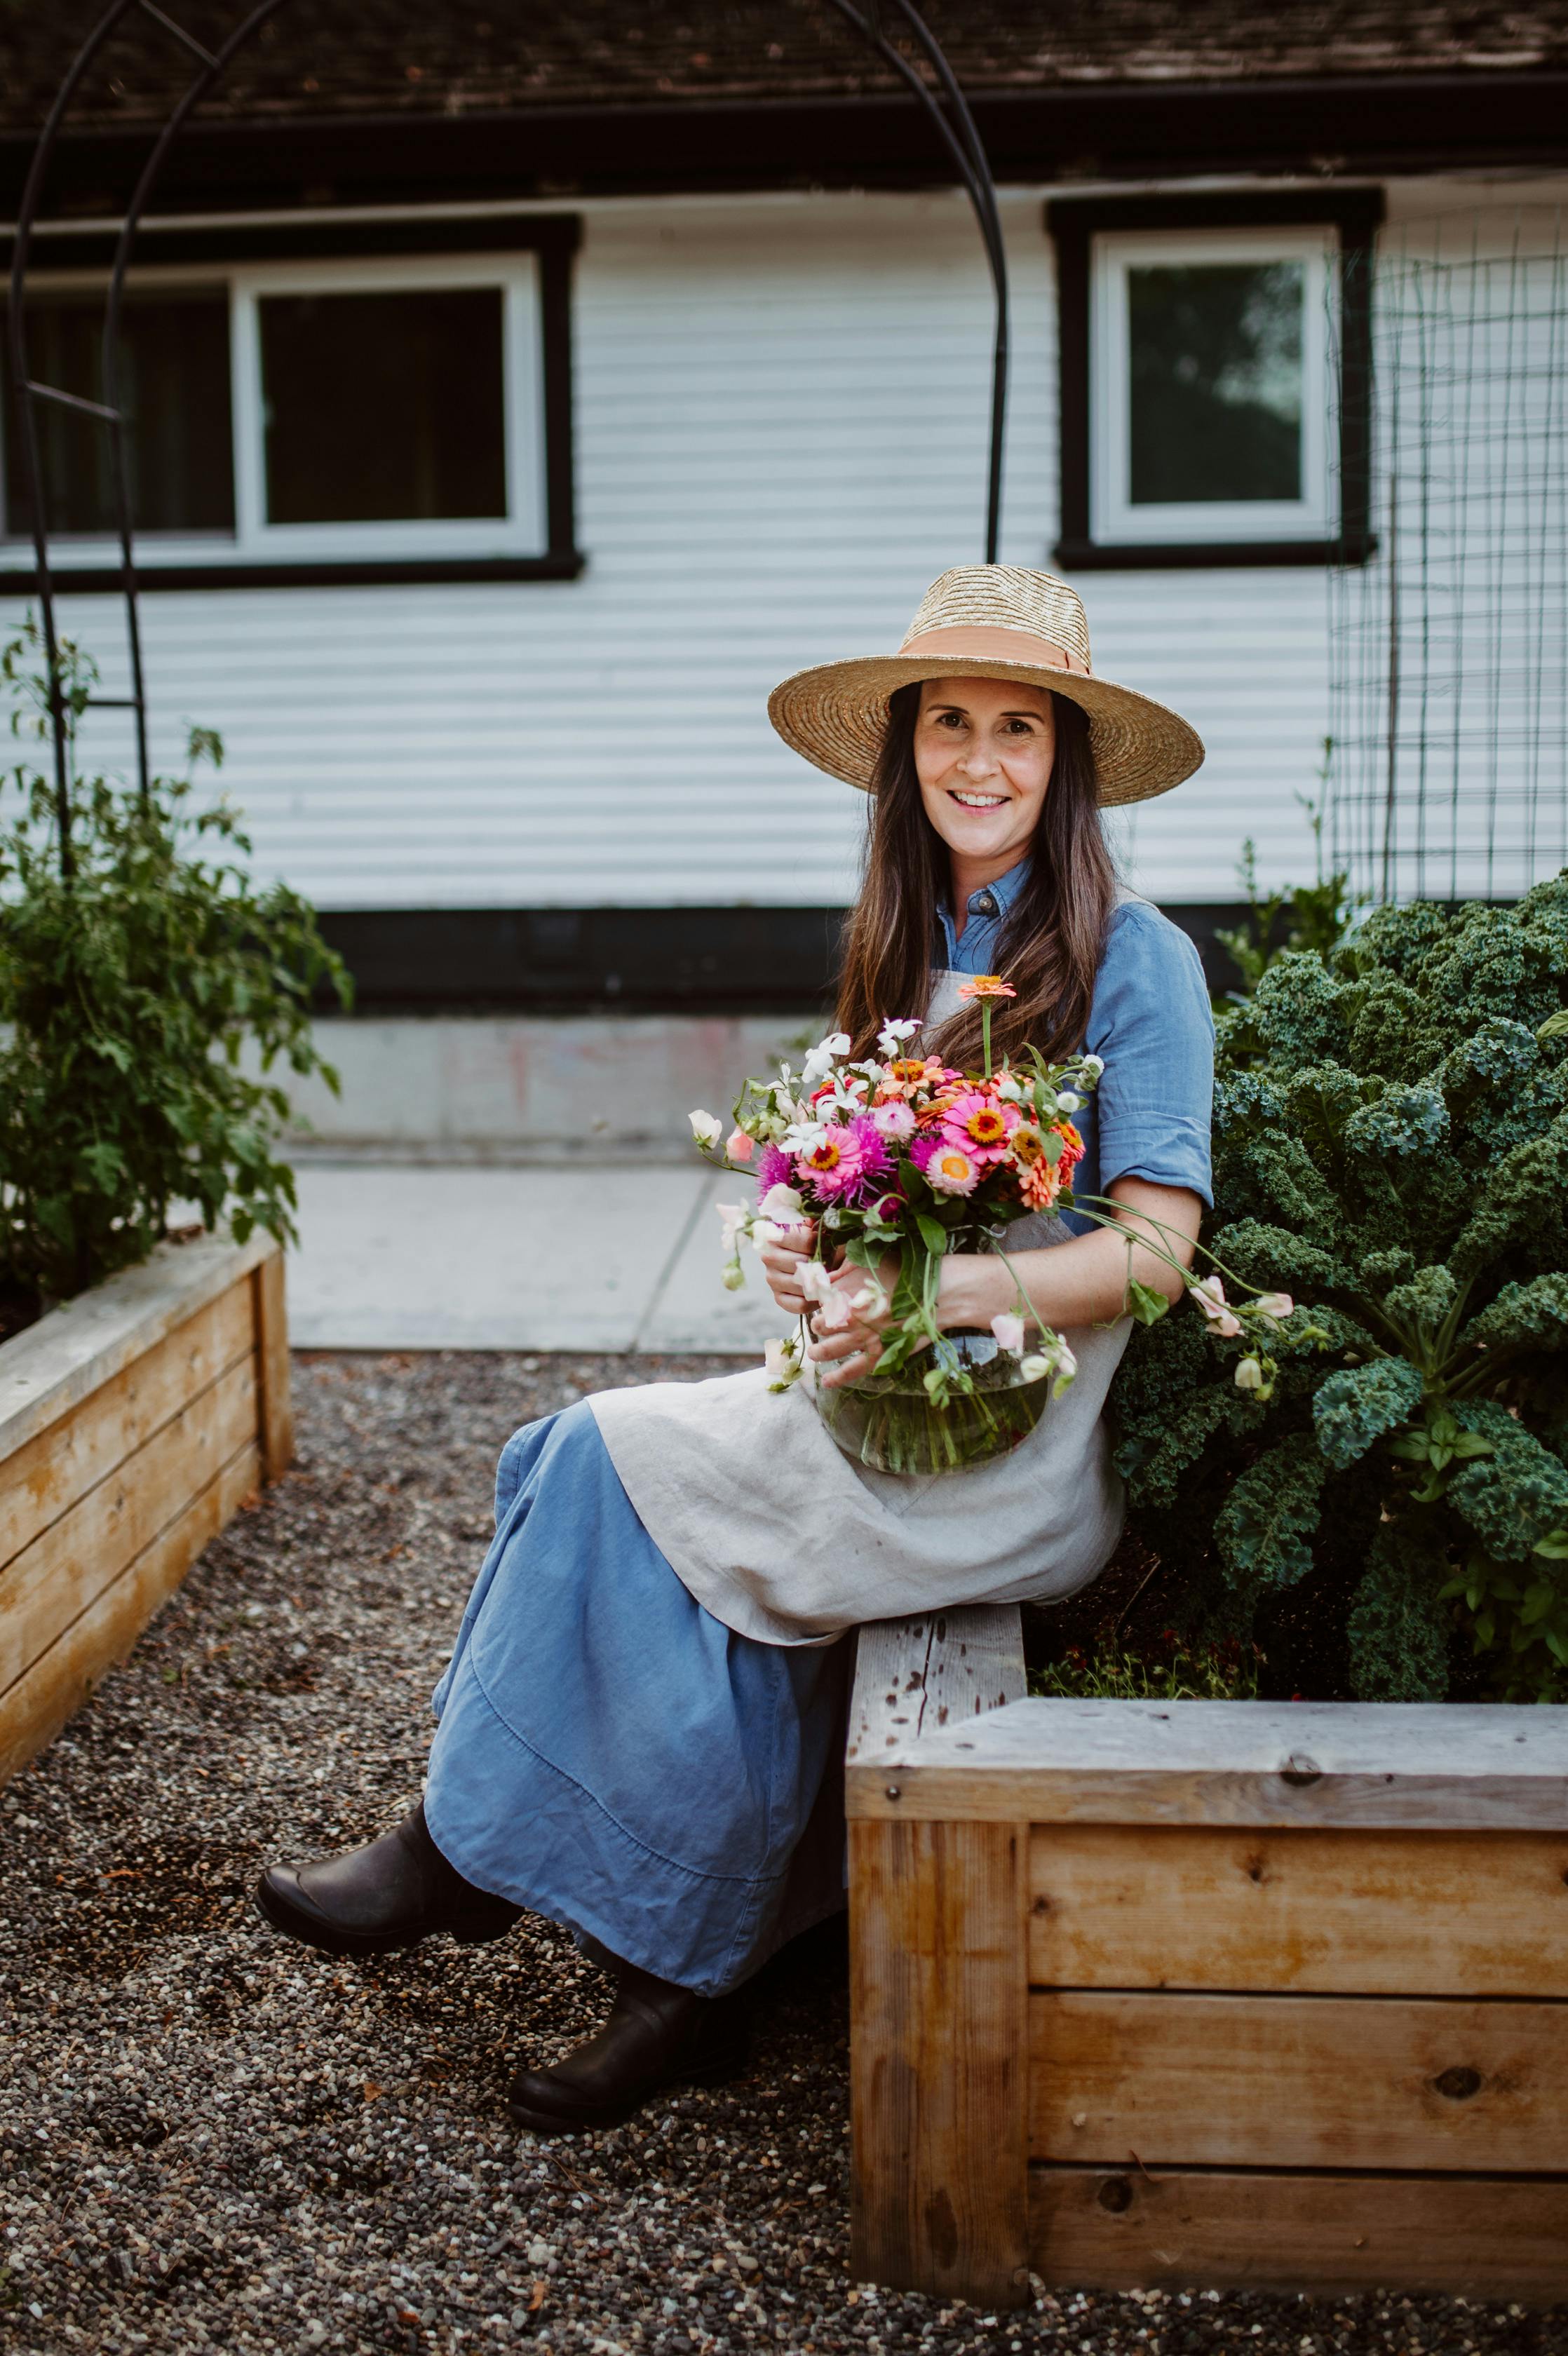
[(850, 1323), (782, 1261)]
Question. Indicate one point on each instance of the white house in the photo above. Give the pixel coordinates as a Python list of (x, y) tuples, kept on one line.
[(518, 398)]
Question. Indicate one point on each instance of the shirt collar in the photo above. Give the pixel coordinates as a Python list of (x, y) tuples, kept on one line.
[(1004, 892)]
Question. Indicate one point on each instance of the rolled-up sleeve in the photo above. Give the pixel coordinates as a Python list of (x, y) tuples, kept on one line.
[(1151, 1021)]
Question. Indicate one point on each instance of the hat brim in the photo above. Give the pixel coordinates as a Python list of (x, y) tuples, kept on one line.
[(835, 716)]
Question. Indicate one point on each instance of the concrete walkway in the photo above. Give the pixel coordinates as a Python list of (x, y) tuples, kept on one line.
[(467, 1257)]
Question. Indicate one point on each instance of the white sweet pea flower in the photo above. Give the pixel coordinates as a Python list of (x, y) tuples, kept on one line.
[(1067, 1368), (815, 1282), (892, 1035), (820, 1063), (782, 1363), (732, 1217), (1249, 1375), (1277, 1305), (1009, 1332), (704, 1128), (1035, 1368)]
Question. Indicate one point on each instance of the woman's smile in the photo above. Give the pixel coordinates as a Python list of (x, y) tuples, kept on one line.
[(984, 749)]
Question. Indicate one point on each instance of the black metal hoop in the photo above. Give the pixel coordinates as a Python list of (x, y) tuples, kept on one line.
[(957, 131)]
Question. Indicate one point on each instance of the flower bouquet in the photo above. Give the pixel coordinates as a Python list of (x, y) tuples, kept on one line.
[(897, 1161)]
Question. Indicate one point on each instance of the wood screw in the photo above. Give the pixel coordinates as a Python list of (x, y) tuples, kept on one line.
[(892, 1791), (1116, 2194)]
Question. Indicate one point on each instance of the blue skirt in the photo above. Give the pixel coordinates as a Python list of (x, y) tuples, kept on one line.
[(612, 1756)]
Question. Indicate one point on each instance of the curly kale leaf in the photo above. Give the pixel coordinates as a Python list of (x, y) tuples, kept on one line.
[(1525, 1316), (1424, 1299), (1516, 1495), (1355, 1407), (1273, 1258), (1398, 1628), (1294, 1013), (1406, 1122), (1265, 1527), (1525, 1205)]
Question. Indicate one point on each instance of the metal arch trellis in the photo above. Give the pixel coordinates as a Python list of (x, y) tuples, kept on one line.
[(957, 130)]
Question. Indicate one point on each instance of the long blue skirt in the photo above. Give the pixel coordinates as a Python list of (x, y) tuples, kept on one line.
[(612, 1756)]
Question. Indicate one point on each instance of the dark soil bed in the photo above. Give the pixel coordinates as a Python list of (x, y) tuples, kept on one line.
[(212, 2139)]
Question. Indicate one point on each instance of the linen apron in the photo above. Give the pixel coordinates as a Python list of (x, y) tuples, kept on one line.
[(780, 1536)]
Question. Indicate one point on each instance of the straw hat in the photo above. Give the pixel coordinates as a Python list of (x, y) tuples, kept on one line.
[(988, 621)]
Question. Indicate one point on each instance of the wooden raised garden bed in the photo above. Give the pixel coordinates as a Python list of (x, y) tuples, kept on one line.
[(133, 1422), (1156, 1995)]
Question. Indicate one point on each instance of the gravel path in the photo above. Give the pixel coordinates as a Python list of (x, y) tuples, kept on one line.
[(211, 2138)]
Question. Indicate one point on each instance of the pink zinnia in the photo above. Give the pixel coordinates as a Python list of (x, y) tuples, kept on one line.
[(833, 1164), (979, 1124)]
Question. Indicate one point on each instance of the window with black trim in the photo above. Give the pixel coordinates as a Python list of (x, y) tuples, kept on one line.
[(310, 417), (1213, 396)]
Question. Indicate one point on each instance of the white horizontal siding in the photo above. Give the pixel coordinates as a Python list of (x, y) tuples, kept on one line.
[(781, 437)]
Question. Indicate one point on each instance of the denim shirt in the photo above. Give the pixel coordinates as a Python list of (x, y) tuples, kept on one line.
[(988, 910), (1150, 1021)]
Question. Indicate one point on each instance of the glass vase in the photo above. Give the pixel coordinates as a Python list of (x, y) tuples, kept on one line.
[(891, 1422)]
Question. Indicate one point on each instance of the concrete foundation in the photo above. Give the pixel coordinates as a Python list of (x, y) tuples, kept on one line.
[(531, 1087)]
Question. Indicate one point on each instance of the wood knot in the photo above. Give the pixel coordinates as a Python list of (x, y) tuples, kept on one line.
[(1299, 1770), (1458, 2084), (1116, 2194)]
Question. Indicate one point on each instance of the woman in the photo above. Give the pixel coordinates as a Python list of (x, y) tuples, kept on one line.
[(638, 1730)]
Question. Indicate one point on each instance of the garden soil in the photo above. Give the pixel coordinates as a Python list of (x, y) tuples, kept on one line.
[(211, 2138)]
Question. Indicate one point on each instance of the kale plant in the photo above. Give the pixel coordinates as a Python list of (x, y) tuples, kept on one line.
[(1391, 1148), (134, 969)]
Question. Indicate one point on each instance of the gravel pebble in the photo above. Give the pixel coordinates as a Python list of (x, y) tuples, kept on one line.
[(213, 2139)]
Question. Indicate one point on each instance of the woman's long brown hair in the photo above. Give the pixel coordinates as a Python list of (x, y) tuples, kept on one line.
[(1049, 948)]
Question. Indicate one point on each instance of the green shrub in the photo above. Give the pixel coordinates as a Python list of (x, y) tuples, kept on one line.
[(134, 968), (1392, 1148)]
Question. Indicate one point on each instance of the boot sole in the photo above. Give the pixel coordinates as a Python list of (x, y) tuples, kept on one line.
[(329, 1941), (709, 2074)]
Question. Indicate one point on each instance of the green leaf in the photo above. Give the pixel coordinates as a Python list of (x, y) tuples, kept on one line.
[(1264, 1527), (934, 1235), (1144, 1305)]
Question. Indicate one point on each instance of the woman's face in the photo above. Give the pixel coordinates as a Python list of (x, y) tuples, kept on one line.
[(983, 752)]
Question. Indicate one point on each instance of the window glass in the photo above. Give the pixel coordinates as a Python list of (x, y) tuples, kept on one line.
[(174, 389), (382, 408), (1214, 381)]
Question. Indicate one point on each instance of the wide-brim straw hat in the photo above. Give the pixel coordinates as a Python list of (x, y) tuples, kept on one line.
[(988, 621)]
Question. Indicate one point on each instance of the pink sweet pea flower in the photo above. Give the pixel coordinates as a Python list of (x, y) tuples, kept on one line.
[(738, 1146), (1209, 1295), (1009, 1332)]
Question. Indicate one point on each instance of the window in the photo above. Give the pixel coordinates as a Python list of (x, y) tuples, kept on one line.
[(382, 416), (1213, 391), (174, 388)]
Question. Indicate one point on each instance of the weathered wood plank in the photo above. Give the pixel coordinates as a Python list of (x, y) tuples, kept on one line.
[(34, 1708), (912, 1675), (1339, 2082), (53, 1581), (939, 2058), (272, 1353), (1398, 1765), (1128, 2230), (46, 1476), (76, 1349), (1361, 1913)]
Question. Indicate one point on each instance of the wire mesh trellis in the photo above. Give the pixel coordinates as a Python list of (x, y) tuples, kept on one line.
[(1449, 650)]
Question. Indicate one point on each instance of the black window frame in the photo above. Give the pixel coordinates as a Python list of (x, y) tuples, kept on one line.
[(554, 238), (1355, 215)]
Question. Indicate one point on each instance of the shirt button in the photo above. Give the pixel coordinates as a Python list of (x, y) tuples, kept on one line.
[(983, 905)]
